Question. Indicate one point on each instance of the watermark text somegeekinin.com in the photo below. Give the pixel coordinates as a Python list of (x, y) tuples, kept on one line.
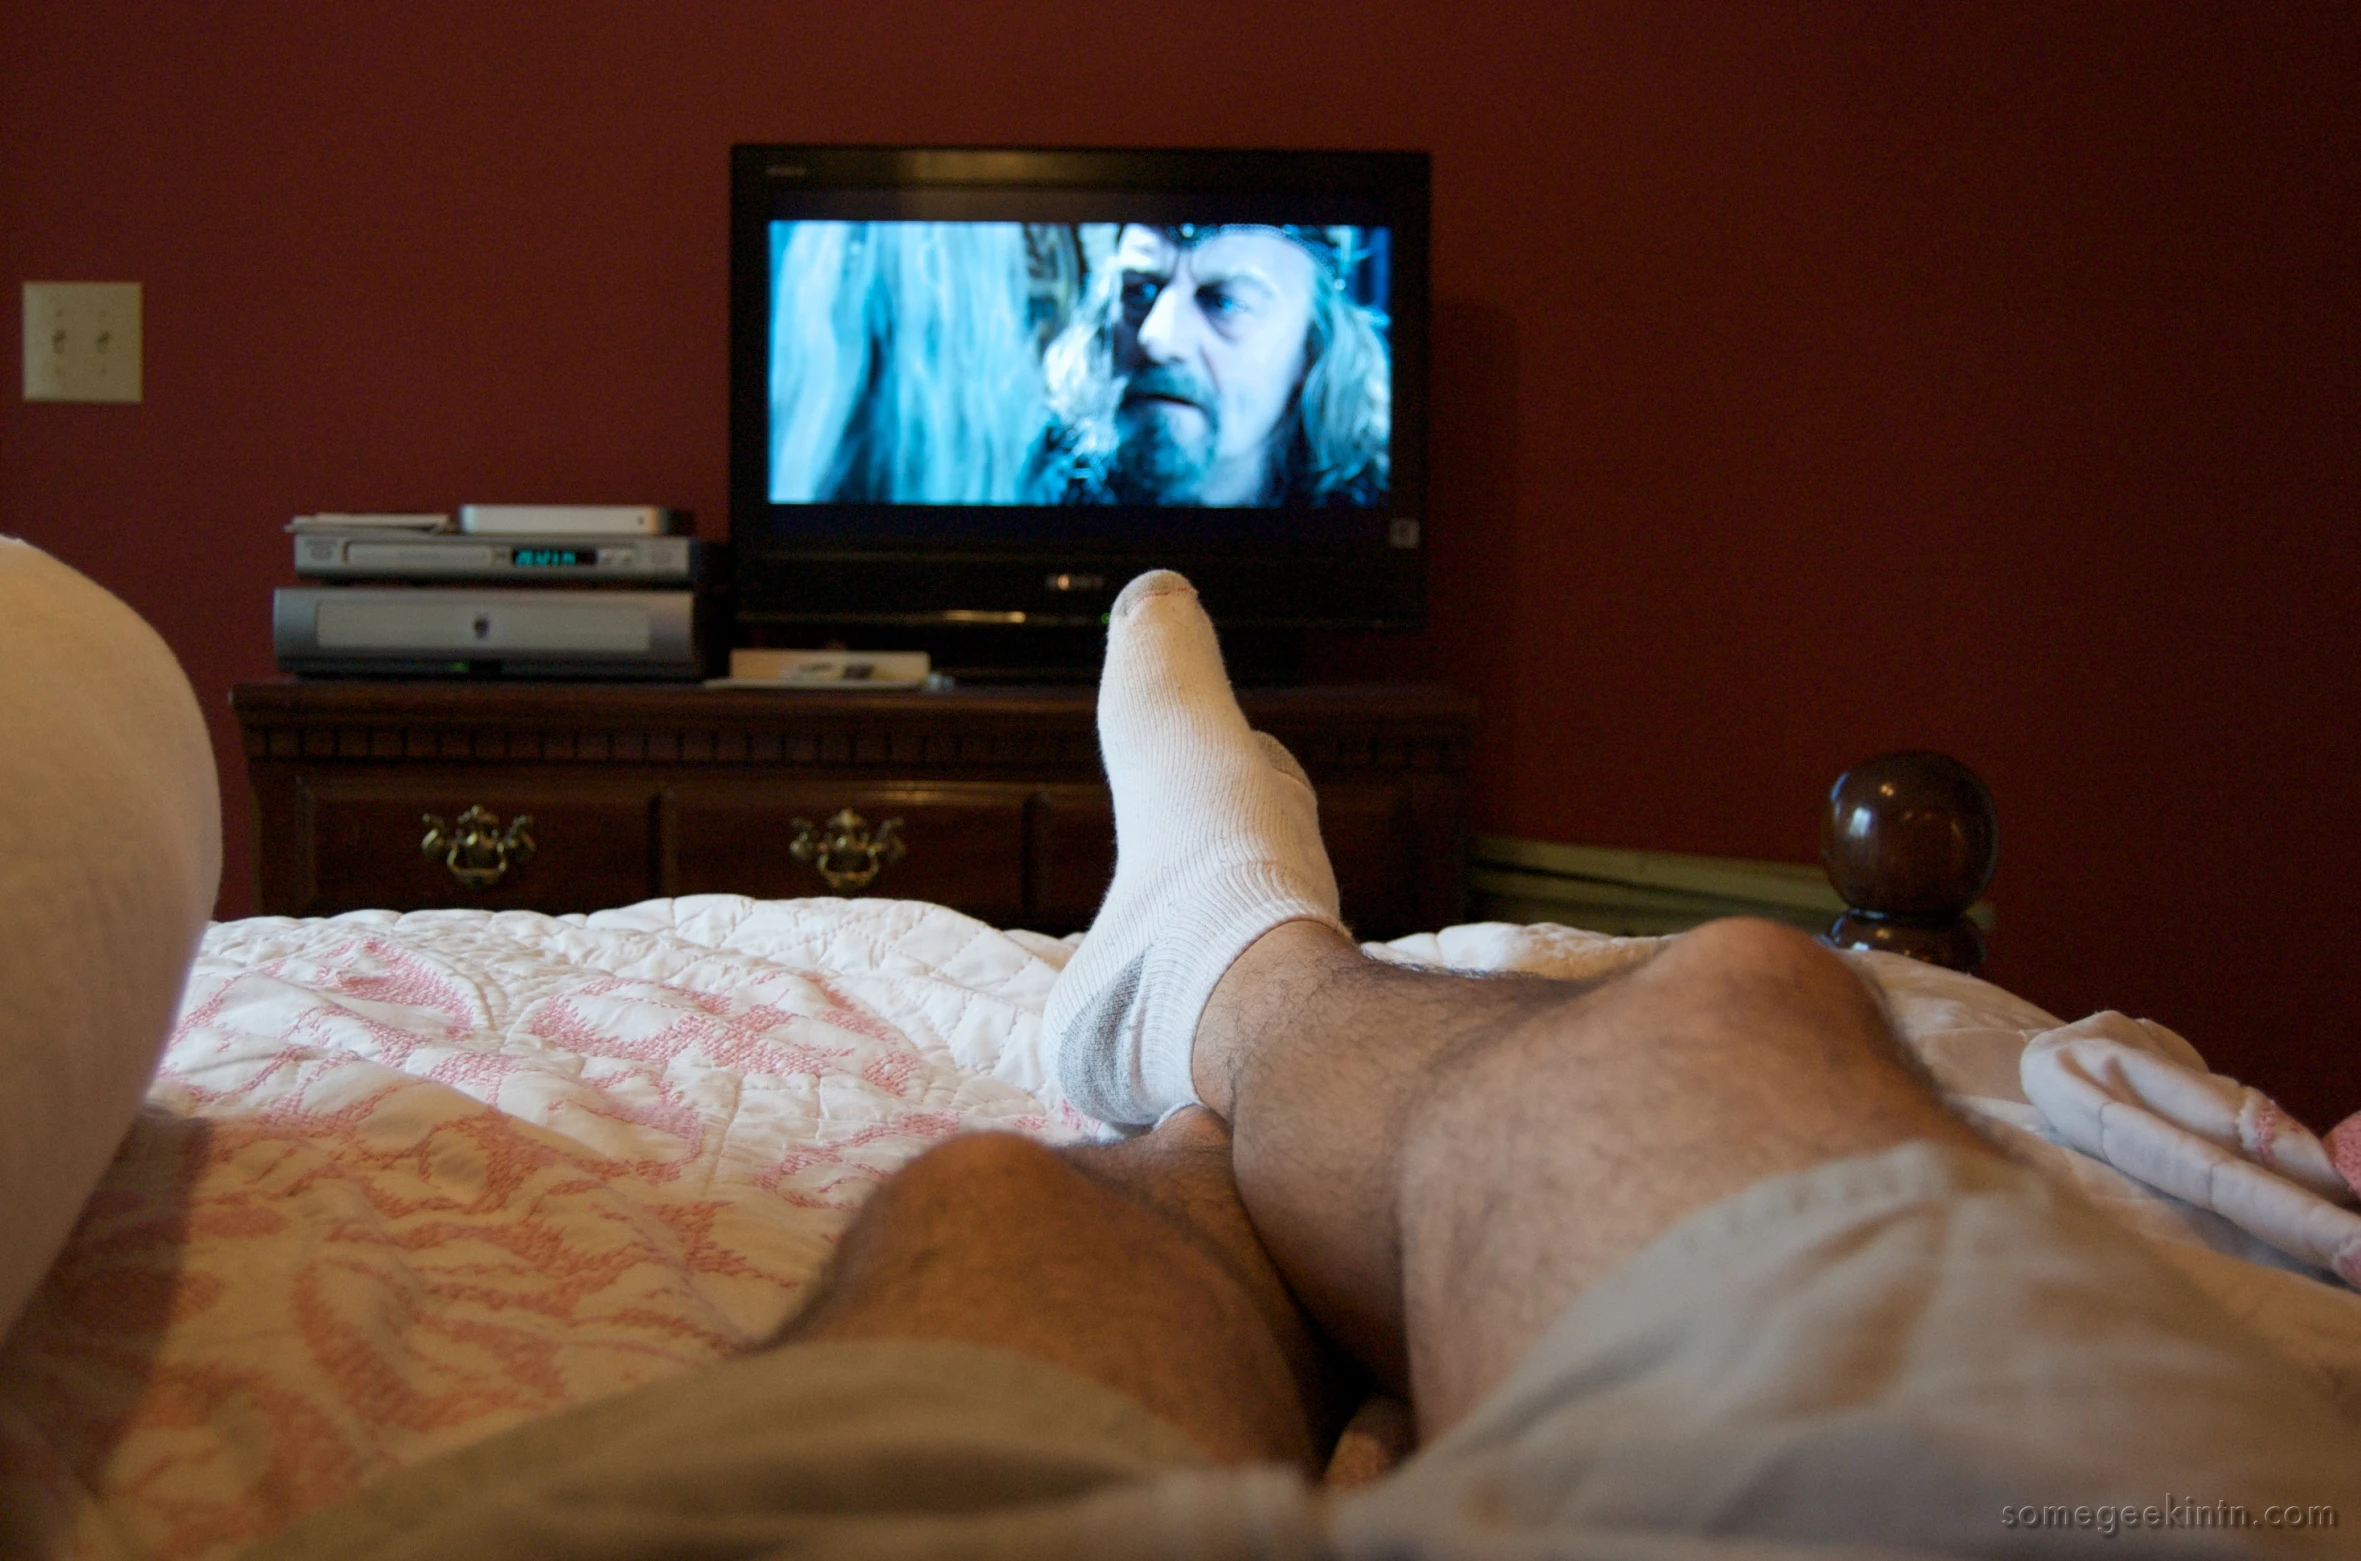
[(2112, 1518)]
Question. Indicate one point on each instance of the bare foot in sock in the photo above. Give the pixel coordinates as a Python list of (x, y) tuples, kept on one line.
[(1217, 841)]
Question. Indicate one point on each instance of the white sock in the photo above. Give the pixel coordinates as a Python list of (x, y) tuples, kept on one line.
[(1217, 841)]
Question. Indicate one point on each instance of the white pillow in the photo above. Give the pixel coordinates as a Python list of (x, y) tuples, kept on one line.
[(110, 852)]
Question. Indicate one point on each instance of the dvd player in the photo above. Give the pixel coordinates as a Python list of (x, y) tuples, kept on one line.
[(509, 560), (587, 520), (430, 631)]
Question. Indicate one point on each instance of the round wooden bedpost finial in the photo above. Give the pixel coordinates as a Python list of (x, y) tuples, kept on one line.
[(1909, 841)]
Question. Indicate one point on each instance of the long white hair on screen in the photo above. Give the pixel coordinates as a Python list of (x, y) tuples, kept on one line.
[(905, 366)]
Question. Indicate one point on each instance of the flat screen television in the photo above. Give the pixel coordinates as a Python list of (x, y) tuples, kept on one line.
[(974, 390)]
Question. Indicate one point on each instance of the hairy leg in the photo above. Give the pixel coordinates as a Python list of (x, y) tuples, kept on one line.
[(1131, 1264), (1438, 1163)]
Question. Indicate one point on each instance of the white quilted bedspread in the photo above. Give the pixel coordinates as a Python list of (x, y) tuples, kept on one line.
[(406, 1180)]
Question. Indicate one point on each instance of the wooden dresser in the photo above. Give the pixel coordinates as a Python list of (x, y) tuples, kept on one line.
[(995, 797)]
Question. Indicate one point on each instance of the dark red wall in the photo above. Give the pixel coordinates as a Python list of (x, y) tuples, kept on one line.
[(1810, 381)]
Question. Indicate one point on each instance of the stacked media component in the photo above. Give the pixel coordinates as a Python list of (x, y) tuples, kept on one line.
[(510, 591)]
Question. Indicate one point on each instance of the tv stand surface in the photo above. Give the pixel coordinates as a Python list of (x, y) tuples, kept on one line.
[(1012, 656), (636, 791)]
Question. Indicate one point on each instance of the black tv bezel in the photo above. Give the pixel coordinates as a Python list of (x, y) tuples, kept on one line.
[(956, 566)]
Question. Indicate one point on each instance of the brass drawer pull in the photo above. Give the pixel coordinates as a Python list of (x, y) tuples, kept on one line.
[(478, 851), (847, 855)]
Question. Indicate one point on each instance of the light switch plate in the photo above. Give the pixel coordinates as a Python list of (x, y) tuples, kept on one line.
[(82, 341)]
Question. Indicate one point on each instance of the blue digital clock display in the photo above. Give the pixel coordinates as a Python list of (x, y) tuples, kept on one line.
[(553, 557)]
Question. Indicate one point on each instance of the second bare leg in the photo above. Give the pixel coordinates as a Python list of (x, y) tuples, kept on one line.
[(1131, 1264), (1439, 1163)]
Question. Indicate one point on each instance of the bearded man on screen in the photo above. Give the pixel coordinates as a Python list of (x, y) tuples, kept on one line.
[(1219, 366)]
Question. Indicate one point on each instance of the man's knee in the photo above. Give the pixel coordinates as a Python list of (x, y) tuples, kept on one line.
[(1800, 1009), (1752, 942), (1776, 965), (1740, 982), (1176, 1173), (959, 1209), (967, 1177)]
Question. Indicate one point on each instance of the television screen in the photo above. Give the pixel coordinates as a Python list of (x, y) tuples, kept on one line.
[(976, 385), (1232, 365)]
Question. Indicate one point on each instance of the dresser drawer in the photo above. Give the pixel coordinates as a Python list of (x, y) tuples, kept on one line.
[(592, 842), (1377, 834), (1073, 861), (961, 844)]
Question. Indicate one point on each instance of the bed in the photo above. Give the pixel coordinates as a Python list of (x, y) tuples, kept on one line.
[(401, 1181)]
